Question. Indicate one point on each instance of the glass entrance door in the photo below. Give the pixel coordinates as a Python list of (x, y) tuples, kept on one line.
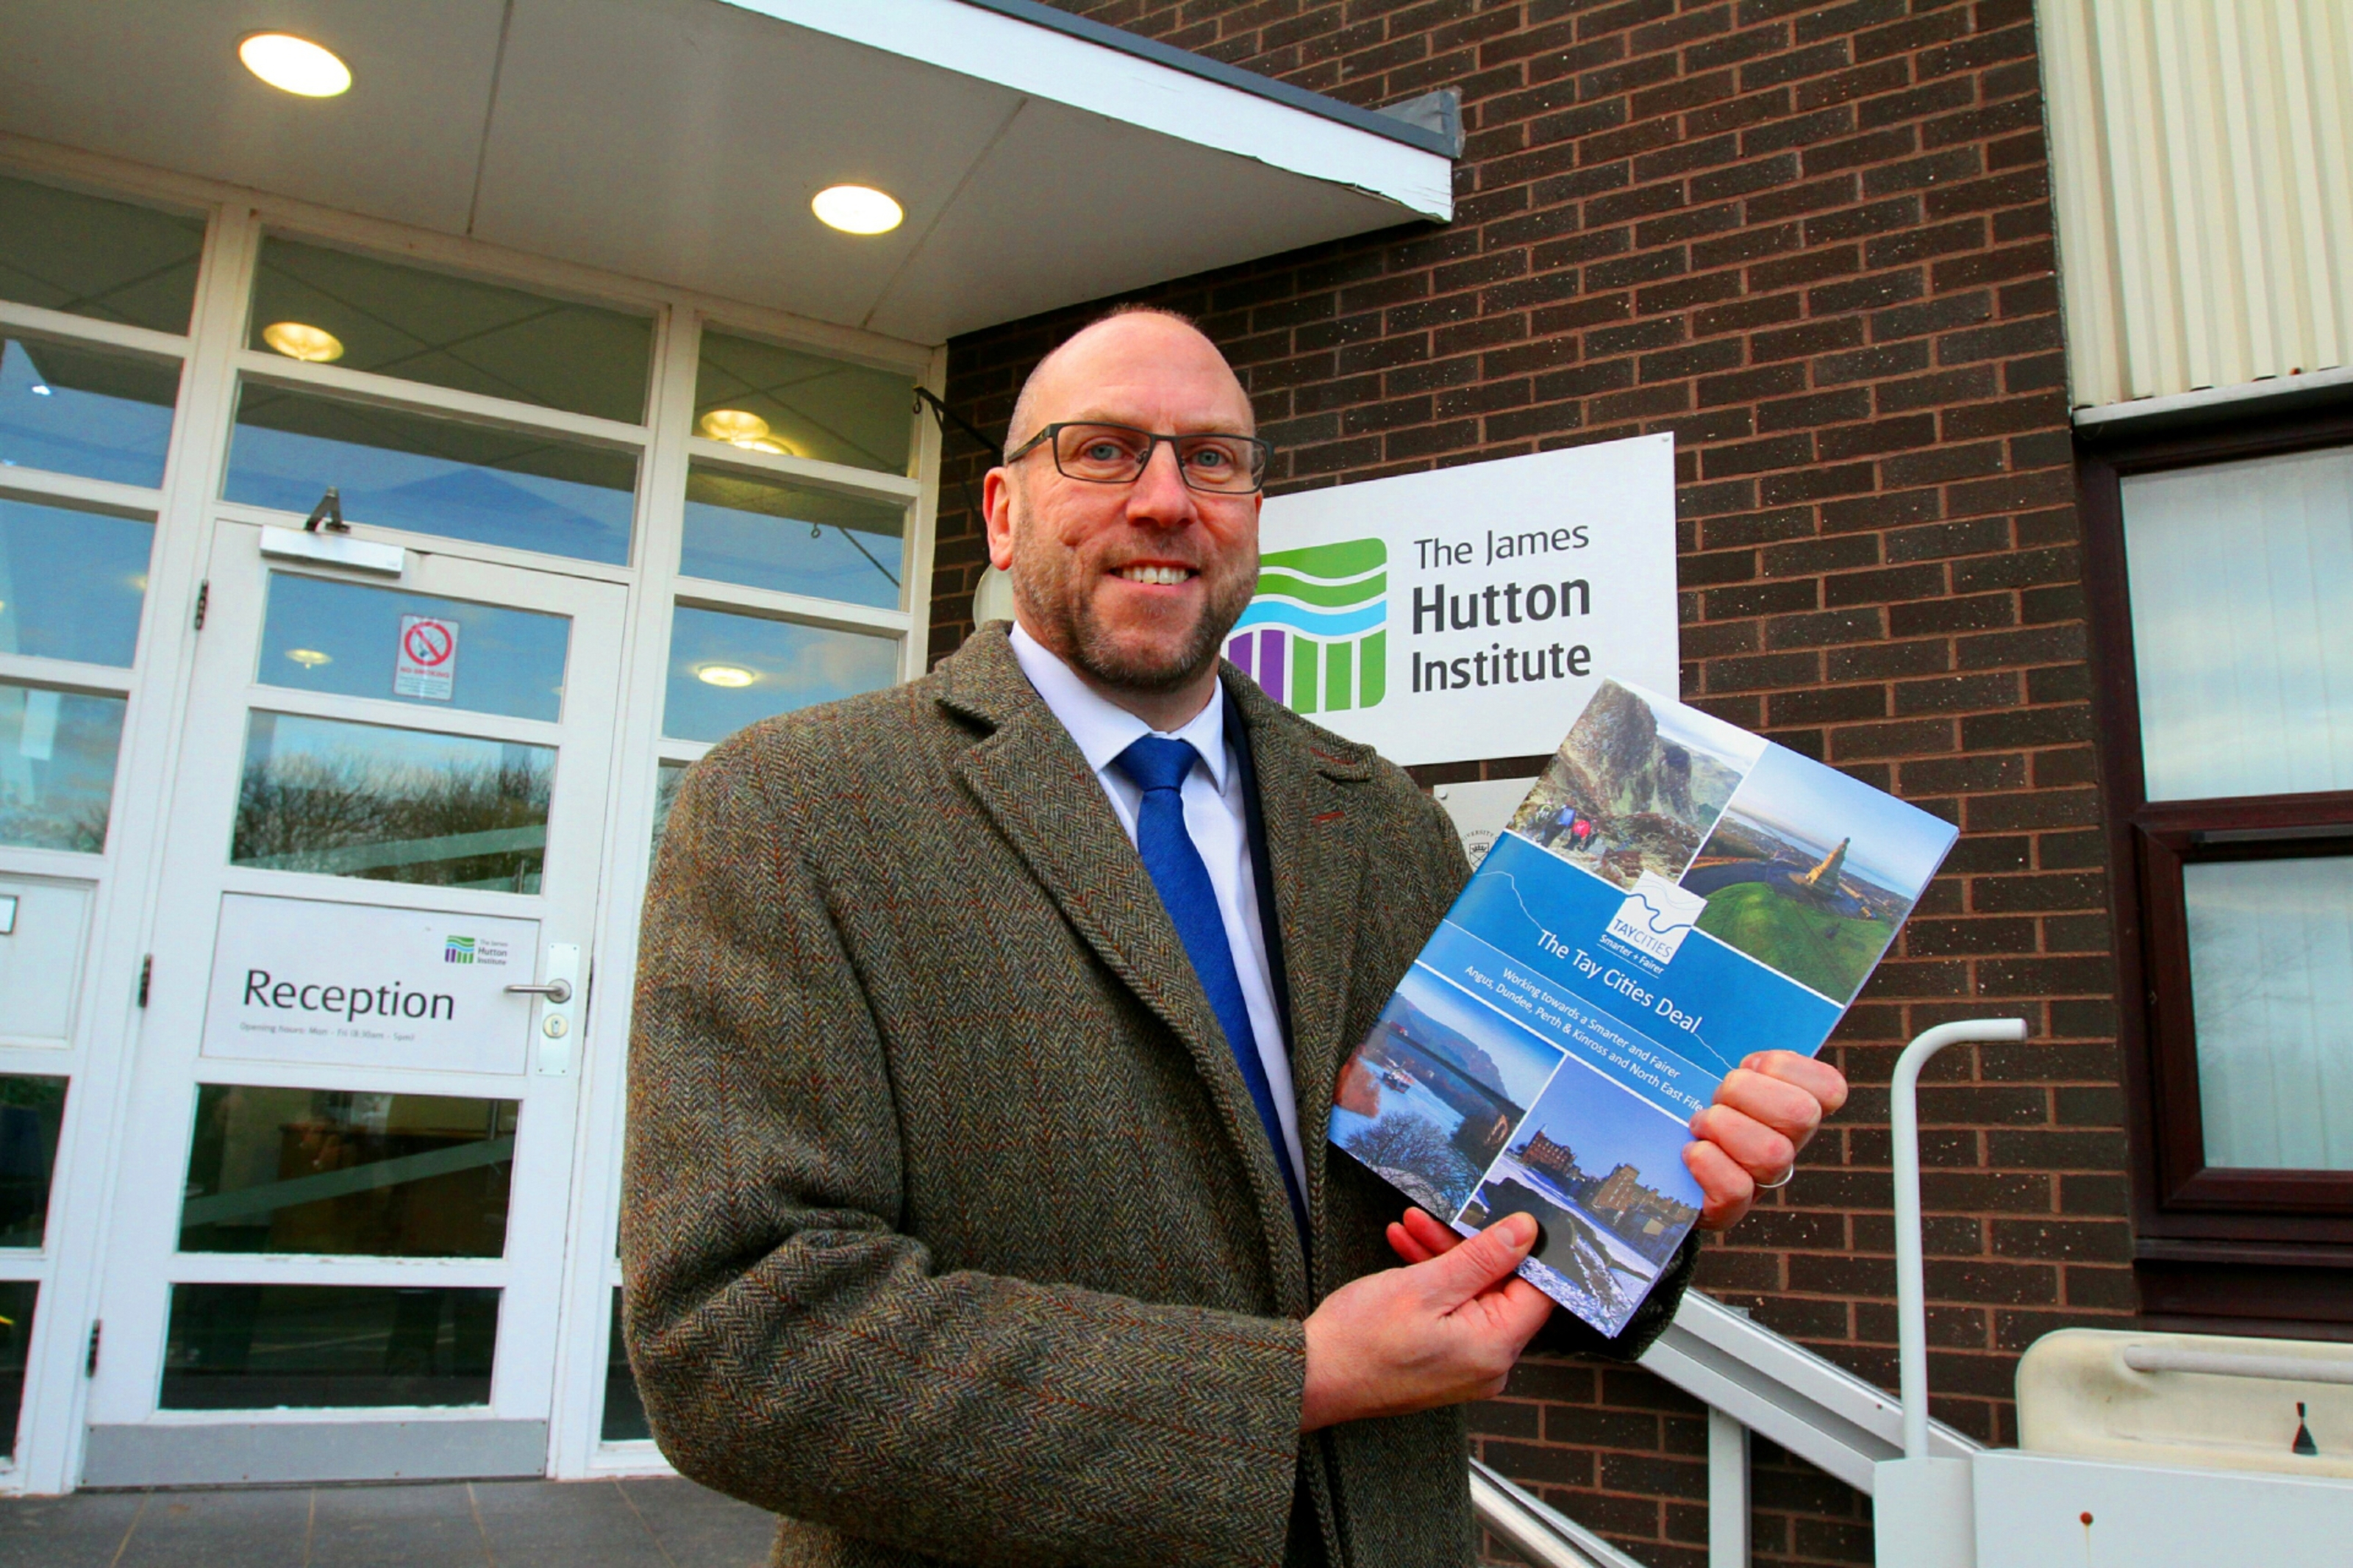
[(353, 1129)]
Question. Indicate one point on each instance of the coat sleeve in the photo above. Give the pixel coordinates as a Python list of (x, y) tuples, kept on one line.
[(797, 1351)]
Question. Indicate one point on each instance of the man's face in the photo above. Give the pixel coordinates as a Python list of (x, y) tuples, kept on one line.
[(1135, 584)]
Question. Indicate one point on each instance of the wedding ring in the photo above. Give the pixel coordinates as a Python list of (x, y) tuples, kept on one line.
[(1771, 1186)]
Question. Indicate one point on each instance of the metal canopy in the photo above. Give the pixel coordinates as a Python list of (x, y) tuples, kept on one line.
[(680, 141)]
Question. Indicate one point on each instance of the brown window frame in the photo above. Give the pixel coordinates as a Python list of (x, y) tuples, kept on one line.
[(2220, 1224)]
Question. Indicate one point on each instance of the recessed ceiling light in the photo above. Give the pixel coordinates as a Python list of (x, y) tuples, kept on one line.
[(734, 426), (309, 658), (295, 65), (727, 675), (295, 339), (857, 209)]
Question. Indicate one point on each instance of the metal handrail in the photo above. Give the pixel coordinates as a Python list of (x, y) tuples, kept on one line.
[(1910, 1273), (1535, 1528)]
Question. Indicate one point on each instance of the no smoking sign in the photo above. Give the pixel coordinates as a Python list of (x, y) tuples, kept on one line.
[(427, 663)]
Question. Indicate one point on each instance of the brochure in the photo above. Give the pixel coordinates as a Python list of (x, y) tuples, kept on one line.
[(1672, 895)]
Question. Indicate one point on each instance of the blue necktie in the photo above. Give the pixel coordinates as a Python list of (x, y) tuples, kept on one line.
[(1157, 766)]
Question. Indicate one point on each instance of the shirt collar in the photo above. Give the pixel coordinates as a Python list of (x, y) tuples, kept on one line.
[(1102, 728)]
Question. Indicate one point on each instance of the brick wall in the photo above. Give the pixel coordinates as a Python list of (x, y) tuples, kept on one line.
[(1814, 243)]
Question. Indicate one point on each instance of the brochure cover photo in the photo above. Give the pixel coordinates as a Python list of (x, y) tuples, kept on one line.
[(1674, 894)]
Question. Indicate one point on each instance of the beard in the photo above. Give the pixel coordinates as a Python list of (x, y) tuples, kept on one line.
[(1054, 585)]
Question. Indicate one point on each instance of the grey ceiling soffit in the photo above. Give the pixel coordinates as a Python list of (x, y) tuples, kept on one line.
[(1428, 129)]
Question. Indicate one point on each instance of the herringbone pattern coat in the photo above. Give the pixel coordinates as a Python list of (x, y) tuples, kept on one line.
[(951, 1235)]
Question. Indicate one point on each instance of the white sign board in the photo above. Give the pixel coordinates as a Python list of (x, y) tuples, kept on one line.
[(1470, 612), (297, 980), (426, 664)]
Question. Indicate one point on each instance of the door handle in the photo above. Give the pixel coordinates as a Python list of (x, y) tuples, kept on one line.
[(556, 991)]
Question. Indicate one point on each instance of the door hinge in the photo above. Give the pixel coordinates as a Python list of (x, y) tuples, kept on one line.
[(147, 973), (204, 598), (90, 1367)]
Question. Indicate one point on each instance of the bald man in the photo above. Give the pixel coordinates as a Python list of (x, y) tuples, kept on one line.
[(978, 1206)]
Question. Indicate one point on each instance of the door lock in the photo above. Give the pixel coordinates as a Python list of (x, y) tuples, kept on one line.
[(558, 1001)]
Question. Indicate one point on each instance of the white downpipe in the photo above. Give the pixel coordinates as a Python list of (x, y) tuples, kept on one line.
[(1911, 1280)]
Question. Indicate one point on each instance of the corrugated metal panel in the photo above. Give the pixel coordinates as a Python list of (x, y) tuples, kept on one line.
[(2203, 156)]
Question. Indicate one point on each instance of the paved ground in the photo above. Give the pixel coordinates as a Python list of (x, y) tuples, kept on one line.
[(664, 1523)]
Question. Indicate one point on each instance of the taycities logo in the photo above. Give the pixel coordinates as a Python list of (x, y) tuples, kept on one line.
[(1317, 636), (1657, 917), (457, 950)]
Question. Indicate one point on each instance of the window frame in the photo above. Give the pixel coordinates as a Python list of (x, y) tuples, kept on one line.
[(2186, 1211)]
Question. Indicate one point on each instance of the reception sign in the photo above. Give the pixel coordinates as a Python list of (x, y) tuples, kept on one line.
[(1470, 612), (298, 980)]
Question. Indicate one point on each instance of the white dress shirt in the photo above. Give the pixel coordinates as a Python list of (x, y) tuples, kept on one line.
[(1217, 816)]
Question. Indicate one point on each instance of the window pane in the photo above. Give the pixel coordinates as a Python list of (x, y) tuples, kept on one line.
[(803, 405), (78, 411), (57, 767), (2242, 581), (725, 671), (91, 257), (262, 1347), (71, 583), (31, 1111), (393, 805), (380, 1176), (791, 538), (344, 638), (432, 475), (16, 1302), (2271, 978), (450, 332), (624, 1413), (666, 782)]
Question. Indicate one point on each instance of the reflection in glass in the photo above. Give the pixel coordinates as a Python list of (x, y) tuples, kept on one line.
[(2271, 981), (624, 1413), (666, 783), (307, 1347), (31, 1111), (89, 257), (324, 1171), (71, 583), (57, 767), (432, 475), (323, 635), (456, 332), (725, 671), (802, 405), (392, 805), (94, 414), (2241, 583), (766, 533), (17, 1299)]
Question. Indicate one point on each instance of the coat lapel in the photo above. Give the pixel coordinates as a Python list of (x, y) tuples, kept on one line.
[(1033, 784), (1311, 805)]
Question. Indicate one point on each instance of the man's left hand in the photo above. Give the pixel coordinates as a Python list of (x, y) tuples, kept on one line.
[(1765, 1111)]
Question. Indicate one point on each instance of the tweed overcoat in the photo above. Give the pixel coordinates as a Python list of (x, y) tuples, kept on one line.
[(950, 1232)]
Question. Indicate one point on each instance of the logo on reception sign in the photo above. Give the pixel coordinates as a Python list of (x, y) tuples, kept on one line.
[(1317, 636), (1470, 612), (306, 981), (426, 664)]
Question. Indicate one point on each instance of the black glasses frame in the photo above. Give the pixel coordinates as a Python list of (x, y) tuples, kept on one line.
[(1261, 453)]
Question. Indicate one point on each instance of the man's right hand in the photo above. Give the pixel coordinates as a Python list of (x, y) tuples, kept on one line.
[(1435, 1332)]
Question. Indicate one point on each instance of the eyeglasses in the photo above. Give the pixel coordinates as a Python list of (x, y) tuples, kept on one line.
[(1118, 454)]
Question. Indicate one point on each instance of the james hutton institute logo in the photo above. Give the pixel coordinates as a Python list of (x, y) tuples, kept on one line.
[(459, 949), (1317, 636)]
